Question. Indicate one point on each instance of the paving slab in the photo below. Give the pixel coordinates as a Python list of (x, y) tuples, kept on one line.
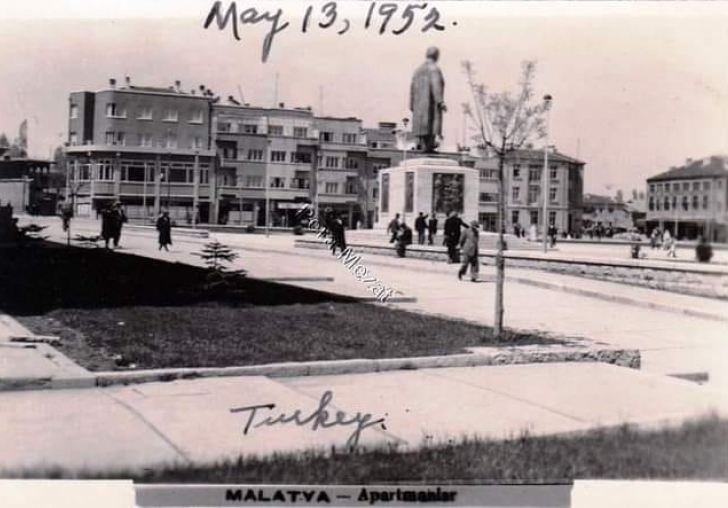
[(77, 429), (196, 416)]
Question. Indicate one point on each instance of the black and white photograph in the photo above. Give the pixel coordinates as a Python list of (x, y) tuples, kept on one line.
[(430, 246)]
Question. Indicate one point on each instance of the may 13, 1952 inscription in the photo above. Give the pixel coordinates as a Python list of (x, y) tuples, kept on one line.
[(393, 18)]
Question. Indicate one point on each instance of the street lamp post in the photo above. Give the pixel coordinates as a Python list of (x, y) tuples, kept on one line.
[(545, 178), (405, 121), (267, 188)]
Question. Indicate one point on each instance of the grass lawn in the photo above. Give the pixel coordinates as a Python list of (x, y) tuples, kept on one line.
[(697, 450), (103, 304)]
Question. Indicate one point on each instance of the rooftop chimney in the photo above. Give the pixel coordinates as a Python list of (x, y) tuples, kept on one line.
[(112, 83), (689, 160), (178, 85), (128, 81)]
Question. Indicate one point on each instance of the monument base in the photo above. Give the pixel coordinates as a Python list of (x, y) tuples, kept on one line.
[(434, 186)]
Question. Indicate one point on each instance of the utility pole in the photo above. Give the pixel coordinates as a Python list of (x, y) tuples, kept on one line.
[(545, 177)]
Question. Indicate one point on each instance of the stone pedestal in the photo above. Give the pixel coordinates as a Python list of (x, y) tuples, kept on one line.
[(430, 185)]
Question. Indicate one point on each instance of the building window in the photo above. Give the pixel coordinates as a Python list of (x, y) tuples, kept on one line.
[(332, 188), (667, 203), (553, 173), (326, 136), (706, 185), (696, 202), (534, 217), (517, 171), (533, 192), (145, 140), (300, 132), (685, 203), (145, 113), (349, 138), (114, 111), (255, 154), (301, 157), (72, 138), (516, 193), (278, 156), (675, 187), (352, 163), (514, 217), (552, 193), (276, 182), (674, 203), (652, 204), (204, 176), (275, 130), (74, 111), (351, 185), (552, 218), (254, 181), (332, 162), (249, 128), (299, 183), (171, 140), (170, 115), (115, 138), (652, 187), (706, 202), (696, 186), (658, 205), (105, 171), (487, 197), (197, 143), (196, 116), (686, 186)]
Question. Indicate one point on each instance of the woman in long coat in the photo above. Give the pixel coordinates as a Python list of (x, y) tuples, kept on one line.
[(164, 227)]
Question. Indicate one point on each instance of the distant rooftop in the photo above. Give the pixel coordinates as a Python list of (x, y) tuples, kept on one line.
[(554, 156), (708, 167)]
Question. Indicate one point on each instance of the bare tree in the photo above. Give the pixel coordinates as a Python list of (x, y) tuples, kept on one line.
[(504, 123)]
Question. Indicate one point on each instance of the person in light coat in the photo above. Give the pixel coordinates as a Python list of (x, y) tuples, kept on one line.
[(469, 252)]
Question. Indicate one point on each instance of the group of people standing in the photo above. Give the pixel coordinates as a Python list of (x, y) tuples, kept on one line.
[(112, 221), (664, 240), (460, 238)]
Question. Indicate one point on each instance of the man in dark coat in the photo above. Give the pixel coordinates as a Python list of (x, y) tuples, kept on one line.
[(404, 238), (421, 227), (108, 225), (164, 227), (338, 238), (431, 230), (452, 236), (118, 218)]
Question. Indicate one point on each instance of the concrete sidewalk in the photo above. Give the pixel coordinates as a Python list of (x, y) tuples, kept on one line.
[(145, 426)]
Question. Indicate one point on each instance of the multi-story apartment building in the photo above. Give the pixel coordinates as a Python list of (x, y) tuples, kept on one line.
[(165, 148), (524, 200), (691, 200), (148, 148)]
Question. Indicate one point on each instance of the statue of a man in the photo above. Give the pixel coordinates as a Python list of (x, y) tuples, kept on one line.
[(427, 102)]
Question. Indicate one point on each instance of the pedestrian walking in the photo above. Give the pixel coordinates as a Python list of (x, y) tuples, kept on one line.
[(469, 251), (552, 231), (404, 238), (452, 237), (671, 247), (108, 225), (338, 237), (703, 250), (666, 239), (66, 215), (431, 230), (393, 228), (654, 238), (118, 220), (421, 227), (164, 228)]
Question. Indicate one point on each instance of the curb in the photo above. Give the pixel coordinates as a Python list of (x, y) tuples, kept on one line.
[(618, 299), (477, 357)]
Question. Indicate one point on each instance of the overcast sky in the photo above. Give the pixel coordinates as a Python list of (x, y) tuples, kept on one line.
[(636, 89)]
